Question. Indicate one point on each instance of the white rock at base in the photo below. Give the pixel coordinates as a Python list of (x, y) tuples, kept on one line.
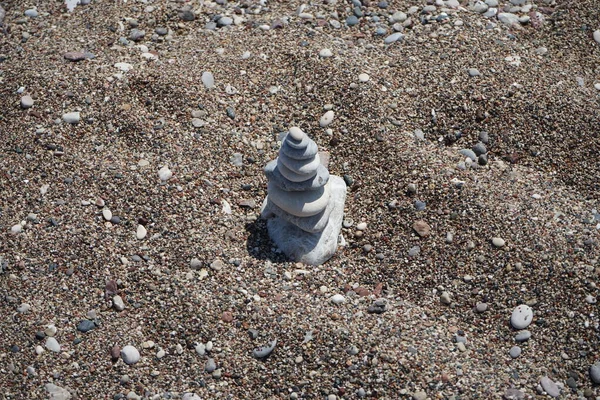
[(311, 248), (191, 396), (130, 355), (521, 317)]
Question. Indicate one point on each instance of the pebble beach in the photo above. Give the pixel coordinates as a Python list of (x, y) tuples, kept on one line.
[(134, 263)]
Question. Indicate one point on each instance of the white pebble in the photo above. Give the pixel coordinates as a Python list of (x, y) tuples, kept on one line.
[(597, 36), (521, 317), (165, 173), (141, 232), (39, 350), (208, 79), (325, 53), (26, 102), (72, 117), (16, 228), (107, 214), (498, 242), (130, 355), (326, 119), (363, 77), (118, 303), (52, 345), (337, 299), (50, 330), (123, 66)]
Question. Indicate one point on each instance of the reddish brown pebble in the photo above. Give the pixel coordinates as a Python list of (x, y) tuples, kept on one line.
[(422, 228), (227, 316), (361, 291), (115, 352)]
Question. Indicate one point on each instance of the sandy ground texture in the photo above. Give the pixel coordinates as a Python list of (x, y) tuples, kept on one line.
[(181, 268)]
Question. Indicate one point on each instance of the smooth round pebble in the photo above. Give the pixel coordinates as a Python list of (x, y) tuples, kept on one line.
[(363, 77), (326, 119), (337, 299), (521, 317), (26, 102), (325, 53), (498, 242), (130, 355), (515, 351), (481, 307)]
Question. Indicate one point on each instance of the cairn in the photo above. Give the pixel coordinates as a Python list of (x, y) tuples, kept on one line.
[(305, 205)]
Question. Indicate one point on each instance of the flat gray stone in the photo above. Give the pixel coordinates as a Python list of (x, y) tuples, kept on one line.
[(311, 248), (300, 167), (305, 153), (515, 351), (274, 176), (523, 336), (550, 387), (292, 175), (394, 37), (313, 224), (300, 204), (508, 19)]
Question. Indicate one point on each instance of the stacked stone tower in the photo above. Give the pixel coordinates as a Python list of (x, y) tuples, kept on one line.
[(305, 205)]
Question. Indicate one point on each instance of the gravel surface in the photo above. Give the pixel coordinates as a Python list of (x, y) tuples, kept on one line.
[(134, 136)]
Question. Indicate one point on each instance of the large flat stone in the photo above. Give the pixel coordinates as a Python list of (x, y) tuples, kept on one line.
[(315, 223), (300, 204), (307, 166), (311, 248), (291, 175), (300, 154), (275, 177)]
